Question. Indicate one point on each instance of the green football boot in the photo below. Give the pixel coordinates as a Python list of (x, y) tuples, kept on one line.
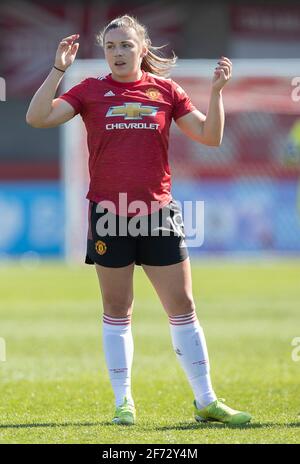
[(217, 411), (125, 414)]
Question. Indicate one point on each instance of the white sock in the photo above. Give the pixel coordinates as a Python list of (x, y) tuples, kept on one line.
[(190, 347), (118, 349)]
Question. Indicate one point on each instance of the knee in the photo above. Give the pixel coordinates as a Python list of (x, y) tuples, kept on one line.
[(183, 304), (117, 307), (187, 305)]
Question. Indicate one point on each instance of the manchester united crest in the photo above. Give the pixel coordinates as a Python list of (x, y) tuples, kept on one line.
[(101, 247), (153, 94)]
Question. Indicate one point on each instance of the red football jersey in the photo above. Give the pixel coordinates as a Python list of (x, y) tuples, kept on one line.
[(127, 127)]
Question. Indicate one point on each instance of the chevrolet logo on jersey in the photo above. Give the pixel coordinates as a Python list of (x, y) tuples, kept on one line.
[(132, 111)]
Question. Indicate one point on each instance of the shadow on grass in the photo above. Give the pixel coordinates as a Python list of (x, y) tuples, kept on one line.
[(180, 426), (215, 425), (54, 424)]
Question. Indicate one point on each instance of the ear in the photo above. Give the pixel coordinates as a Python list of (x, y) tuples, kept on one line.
[(144, 52)]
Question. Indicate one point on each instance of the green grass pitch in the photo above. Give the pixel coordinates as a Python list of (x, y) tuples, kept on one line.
[(54, 383)]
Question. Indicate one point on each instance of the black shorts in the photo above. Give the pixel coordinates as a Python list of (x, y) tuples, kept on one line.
[(156, 240)]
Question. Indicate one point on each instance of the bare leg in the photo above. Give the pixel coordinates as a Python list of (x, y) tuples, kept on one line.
[(116, 285), (173, 285)]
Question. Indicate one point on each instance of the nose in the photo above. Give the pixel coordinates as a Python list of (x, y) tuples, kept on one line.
[(118, 51)]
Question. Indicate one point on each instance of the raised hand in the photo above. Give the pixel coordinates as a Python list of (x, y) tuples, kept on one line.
[(222, 73), (66, 52)]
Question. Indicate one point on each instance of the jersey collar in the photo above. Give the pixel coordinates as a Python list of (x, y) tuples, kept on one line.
[(126, 84)]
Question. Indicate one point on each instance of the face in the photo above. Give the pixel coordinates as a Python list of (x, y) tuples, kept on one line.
[(124, 52)]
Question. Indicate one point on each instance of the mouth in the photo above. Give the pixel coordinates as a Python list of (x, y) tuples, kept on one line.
[(120, 64)]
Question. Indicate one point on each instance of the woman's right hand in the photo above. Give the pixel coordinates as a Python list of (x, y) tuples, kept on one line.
[(66, 52)]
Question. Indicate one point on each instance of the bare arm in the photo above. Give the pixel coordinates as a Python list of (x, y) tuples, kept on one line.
[(209, 129), (44, 110)]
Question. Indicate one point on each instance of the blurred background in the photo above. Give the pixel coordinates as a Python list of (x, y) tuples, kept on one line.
[(251, 184)]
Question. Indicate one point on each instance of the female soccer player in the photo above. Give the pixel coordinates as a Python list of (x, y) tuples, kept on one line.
[(127, 115)]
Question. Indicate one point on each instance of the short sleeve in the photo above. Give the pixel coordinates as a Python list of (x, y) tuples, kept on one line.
[(76, 96), (181, 102)]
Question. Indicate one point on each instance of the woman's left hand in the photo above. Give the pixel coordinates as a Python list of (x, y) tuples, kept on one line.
[(222, 73)]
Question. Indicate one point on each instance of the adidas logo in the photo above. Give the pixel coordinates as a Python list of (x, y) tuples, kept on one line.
[(109, 94)]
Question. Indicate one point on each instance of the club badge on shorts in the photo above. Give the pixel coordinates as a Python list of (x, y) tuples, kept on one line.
[(100, 247)]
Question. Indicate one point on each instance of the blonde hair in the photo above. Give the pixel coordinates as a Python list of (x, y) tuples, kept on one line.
[(152, 62)]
